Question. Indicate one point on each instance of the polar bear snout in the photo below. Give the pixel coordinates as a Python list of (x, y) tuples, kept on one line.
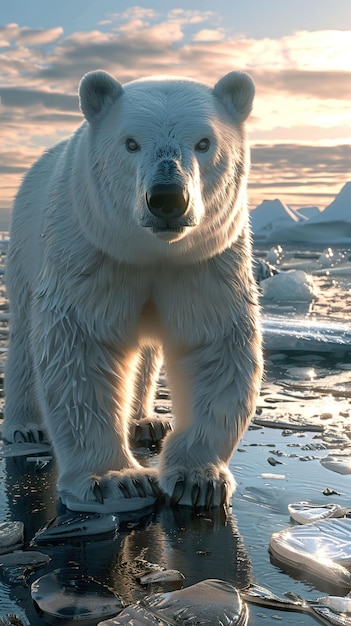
[(167, 201)]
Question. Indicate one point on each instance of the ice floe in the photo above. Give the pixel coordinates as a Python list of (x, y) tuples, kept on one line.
[(8, 450), (161, 576), (16, 567), (322, 549), (147, 573), (69, 594), (11, 535), (293, 424), (296, 333), (330, 611), (209, 603), (71, 526), (337, 385), (341, 605), (307, 513), (340, 463)]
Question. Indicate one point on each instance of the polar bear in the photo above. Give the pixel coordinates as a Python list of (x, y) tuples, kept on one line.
[(131, 237)]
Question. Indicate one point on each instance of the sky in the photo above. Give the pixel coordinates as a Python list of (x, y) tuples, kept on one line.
[(298, 54)]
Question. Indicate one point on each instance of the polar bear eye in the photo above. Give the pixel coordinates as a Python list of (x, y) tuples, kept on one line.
[(203, 145), (132, 145)]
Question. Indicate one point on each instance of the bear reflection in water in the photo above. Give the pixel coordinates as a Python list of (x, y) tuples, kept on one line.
[(197, 543)]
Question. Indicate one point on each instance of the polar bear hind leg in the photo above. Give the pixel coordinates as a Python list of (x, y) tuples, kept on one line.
[(146, 429), (23, 421)]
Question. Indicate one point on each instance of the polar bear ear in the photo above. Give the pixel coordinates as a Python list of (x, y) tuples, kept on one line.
[(236, 90), (97, 90)]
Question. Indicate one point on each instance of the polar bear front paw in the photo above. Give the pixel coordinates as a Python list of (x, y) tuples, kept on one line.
[(115, 492), (131, 483), (198, 487)]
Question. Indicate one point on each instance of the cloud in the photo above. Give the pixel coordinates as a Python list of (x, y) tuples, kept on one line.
[(321, 84), (17, 160), (134, 13), (28, 36), (283, 155), (12, 169), (303, 86), (299, 171), (209, 34), (13, 97)]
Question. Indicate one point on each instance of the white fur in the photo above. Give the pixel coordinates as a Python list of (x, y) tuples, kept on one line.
[(90, 284)]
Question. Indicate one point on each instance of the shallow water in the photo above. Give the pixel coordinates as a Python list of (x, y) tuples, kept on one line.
[(273, 467)]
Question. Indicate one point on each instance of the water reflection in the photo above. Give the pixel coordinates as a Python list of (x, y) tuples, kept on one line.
[(301, 390), (199, 544), (30, 493)]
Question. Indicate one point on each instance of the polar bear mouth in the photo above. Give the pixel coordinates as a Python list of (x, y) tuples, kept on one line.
[(161, 227), (169, 234), (168, 231), (157, 225), (168, 228)]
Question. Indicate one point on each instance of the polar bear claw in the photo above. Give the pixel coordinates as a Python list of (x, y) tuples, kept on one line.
[(204, 487)]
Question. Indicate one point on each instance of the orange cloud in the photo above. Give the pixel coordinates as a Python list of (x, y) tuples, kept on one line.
[(303, 86)]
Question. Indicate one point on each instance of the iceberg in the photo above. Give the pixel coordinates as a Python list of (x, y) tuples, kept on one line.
[(275, 222), (272, 214)]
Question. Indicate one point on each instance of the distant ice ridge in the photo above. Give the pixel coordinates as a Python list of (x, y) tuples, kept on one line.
[(275, 222)]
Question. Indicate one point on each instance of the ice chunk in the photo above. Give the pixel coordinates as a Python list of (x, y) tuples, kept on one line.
[(17, 566), (8, 450), (162, 576), (339, 463), (24, 557), (69, 594), (135, 615), (11, 534), (340, 604), (273, 476), (75, 525), (322, 549), (306, 513), (331, 611), (297, 333), (291, 286), (209, 603), (339, 270), (299, 425)]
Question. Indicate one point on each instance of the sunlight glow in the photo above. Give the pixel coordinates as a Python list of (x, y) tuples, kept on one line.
[(311, 374)]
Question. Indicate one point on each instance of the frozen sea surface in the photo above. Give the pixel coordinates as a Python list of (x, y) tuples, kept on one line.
[(303, 416)]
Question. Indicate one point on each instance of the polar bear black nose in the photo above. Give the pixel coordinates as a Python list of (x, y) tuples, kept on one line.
[(167, 201)]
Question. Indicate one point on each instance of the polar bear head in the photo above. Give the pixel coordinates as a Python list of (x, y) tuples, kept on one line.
[(167, 162)]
